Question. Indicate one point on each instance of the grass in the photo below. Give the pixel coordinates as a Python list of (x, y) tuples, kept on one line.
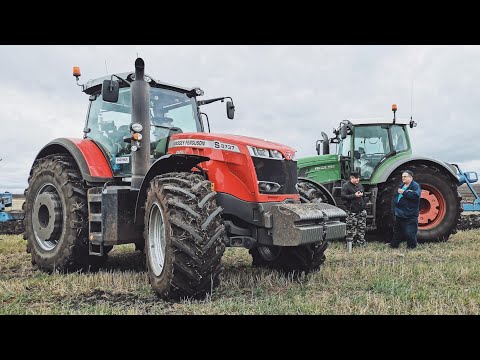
[(433, 279)]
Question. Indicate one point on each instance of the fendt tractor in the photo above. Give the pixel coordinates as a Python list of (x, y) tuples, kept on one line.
[(146, 172), (380, 151)]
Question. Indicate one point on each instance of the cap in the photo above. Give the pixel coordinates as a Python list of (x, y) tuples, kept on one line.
[(355, 174)]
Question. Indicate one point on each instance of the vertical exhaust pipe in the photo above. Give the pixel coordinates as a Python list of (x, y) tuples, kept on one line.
[(141, 115)]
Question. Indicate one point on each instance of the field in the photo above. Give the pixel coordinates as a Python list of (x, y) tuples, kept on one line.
[(433, 279)]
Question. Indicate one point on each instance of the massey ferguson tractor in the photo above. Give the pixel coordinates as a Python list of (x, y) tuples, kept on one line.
[(380, 152), (146, 172)]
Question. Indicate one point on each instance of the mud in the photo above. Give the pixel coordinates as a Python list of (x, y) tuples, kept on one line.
[(12, 227)]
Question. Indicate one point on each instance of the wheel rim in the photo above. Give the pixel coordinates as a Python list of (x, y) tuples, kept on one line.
[(47, 217), (432, 208), (156, 240), (268, 253)]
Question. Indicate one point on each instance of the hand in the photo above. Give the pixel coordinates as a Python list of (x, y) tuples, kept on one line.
[(358, 194), (400, 191)]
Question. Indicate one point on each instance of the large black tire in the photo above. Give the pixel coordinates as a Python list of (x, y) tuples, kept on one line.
[(304, 258), (193, 236), (429, 177), (56, 216), (313, 192)]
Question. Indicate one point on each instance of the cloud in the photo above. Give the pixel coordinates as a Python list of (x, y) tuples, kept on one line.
[(286, 94)]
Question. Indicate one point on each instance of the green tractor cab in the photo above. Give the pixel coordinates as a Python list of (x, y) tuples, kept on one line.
[(380, 152)]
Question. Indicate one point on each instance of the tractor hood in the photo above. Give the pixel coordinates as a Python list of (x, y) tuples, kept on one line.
[(318, 160), (204, 139)]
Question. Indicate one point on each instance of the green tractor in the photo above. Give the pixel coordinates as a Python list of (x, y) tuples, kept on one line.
[(380, 151)]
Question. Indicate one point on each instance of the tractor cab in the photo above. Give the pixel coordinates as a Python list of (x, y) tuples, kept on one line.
[(363, 147), (172, 110)]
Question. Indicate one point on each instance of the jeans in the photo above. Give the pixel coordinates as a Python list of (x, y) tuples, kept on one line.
[(405, 230)]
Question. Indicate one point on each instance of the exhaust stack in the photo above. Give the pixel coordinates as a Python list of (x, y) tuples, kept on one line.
[(141, 115)]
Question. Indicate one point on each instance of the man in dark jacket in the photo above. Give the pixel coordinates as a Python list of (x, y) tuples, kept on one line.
[(406, 207), (353, 195)]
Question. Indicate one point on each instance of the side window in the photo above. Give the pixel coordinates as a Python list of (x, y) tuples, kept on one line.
[(109, 123), (399, 138), (345, 146)]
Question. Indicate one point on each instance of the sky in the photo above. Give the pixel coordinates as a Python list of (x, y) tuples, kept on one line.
[(286, 94)]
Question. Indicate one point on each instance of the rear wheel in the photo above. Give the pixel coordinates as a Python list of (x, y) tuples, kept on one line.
[(440, 204), (56, 216), (184, 236)]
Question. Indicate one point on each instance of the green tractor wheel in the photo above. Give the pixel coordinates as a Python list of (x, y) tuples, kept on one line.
[(440, 204)]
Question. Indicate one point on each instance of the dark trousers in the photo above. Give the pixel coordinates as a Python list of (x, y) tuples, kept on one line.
[(405, 230)]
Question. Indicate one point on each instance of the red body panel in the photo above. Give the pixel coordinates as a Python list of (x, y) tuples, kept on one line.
[(230, 169), (97, 164)]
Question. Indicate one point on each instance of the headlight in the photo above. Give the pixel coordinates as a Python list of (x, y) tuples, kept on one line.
[(276, 154), (137, 127), (265, 153), (261, 152)]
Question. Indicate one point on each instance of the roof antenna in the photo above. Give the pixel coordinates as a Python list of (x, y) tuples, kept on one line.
[(106, 69), (412, 123)]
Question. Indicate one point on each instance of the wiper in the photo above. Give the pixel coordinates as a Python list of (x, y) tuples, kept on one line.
[(391, 153)]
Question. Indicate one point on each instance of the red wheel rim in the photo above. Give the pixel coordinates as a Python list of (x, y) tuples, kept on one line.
[(432, 208)]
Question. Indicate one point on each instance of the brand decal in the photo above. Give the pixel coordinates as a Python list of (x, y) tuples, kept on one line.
[(210, 144), (325, 167)]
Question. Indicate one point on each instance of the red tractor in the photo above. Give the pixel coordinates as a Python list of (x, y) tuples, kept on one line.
[(145, 172)]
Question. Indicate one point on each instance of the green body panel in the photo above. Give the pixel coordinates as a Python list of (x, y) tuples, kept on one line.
[(386, 166), (322, 169)]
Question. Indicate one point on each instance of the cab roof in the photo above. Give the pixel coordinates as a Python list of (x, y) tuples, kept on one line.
[(95, 85)]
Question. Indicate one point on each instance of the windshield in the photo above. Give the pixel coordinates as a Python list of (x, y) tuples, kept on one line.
[(371, 144), (110, 122)]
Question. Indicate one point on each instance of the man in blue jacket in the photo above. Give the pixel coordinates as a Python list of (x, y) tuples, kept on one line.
[(406, 206)]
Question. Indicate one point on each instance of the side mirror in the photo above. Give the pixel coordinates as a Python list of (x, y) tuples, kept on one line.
[(110, 90), (343, 131), (317, 146), (230, 110)]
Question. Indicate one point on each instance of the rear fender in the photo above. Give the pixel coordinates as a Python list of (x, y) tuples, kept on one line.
[(89, 157), (404, 162)]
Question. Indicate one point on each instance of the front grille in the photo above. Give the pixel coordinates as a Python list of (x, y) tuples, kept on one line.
[(283, 172)]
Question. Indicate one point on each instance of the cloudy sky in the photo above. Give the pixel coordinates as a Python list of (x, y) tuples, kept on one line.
[(286, 94)]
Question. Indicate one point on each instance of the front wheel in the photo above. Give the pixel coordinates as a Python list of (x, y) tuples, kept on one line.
[(184, 236), (304, 258)]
